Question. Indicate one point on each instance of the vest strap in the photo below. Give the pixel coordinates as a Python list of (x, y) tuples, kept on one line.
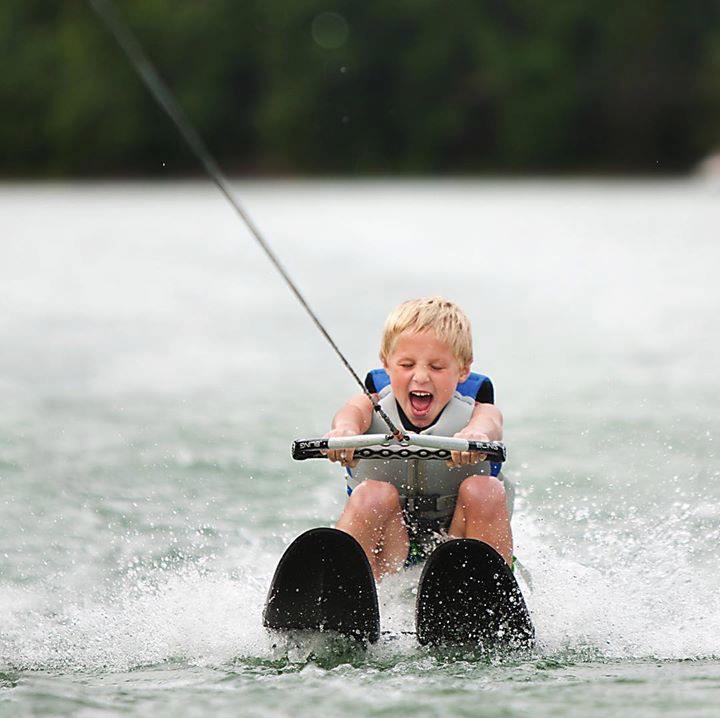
[(428, 502)]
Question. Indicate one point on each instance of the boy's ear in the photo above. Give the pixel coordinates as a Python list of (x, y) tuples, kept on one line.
[(464, 374)]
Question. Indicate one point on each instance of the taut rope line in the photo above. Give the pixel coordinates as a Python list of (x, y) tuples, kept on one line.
[(129, 43)]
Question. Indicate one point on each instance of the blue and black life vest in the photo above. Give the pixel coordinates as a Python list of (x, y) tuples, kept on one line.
[(472, 387)]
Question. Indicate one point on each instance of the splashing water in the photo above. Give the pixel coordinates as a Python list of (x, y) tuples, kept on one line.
[(145, 481)]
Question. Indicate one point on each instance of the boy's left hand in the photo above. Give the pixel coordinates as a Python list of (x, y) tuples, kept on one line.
[(465, 458)]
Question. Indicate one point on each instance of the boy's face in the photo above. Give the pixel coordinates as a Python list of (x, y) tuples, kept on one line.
[(423, 374)]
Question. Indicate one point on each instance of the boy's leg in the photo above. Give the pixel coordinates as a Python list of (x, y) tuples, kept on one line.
[(481, 513), (373, 517)]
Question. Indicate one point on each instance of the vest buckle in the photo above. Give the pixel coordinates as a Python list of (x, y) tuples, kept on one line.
[(421, 503)]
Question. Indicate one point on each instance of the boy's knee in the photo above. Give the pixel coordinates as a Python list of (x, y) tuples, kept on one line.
[(377, 496), (483, 495)]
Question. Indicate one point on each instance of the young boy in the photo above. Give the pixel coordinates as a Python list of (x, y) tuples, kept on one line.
[(398, 509)]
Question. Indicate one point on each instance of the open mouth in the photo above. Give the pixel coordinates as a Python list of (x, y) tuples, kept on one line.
[(420, 401)]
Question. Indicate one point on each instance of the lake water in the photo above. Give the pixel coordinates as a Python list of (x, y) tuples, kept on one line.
[(154, 370)]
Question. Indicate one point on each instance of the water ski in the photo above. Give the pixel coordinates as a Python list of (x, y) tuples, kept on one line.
[(324, 582), (468, 594)]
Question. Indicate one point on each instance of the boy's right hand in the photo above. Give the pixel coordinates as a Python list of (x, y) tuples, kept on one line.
[(343, 456)]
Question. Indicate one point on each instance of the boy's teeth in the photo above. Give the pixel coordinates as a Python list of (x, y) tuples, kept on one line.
[(420, 401)]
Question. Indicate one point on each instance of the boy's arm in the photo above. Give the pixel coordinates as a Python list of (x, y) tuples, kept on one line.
[(354, 418), (486, 424), (486, 419)]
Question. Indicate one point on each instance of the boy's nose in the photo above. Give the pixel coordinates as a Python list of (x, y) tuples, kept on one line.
[(420, 376)]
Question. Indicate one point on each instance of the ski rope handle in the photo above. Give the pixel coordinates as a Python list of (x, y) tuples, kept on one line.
[(383, 446)]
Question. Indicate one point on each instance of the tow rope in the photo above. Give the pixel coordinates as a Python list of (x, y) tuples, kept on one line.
[(109, 16)]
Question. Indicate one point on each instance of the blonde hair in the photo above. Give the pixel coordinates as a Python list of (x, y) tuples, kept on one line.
[(445, 318)]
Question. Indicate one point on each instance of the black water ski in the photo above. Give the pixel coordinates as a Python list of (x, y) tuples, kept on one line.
[(467, 594), (324, 582)]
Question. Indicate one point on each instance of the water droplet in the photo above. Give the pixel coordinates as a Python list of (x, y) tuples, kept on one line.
[(330, 30)]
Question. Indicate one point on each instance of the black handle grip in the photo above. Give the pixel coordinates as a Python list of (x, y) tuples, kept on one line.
[(494, 450), (309, 449)]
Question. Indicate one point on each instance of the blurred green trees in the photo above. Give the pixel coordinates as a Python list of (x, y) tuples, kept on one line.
[(343, 86)]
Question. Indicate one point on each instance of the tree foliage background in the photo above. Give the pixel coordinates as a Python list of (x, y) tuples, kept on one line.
[(351, 86)]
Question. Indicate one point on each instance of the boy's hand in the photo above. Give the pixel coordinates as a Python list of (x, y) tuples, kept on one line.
[(343, 456), (465, 458)]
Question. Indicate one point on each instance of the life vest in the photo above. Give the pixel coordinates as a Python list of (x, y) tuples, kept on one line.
[(470, 387), (427, 488)]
